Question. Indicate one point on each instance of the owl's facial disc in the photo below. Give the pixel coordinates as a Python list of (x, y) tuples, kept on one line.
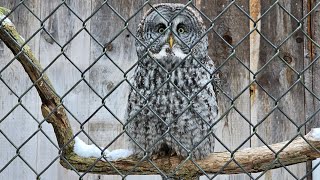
[(168, 43), (178, 34), (186, 29)]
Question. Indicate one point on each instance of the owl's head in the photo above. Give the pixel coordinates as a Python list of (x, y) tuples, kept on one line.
[(172, 30)]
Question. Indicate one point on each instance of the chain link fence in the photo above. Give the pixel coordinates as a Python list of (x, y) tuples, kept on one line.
[(266, 54)]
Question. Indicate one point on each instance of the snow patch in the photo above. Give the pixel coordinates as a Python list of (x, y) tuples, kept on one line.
[(84, 150), (316, 172), (6, 20), (315, 133), (118, 154)]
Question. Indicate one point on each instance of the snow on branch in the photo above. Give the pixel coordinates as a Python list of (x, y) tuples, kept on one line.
[(257, 159), (84, 150)]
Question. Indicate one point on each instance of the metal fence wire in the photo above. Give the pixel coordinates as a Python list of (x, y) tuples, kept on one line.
[(265, 54)]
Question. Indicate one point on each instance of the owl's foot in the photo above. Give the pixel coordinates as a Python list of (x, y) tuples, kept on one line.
[(173, 153), (162, 154), (158, 155)]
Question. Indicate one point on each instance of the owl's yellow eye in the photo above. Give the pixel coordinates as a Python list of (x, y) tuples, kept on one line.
[(161, 30), (181, 30)]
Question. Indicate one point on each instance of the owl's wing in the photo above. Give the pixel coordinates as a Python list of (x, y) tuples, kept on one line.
[(214, 75)]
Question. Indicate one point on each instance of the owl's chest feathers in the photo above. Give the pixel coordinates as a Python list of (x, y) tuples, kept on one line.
[(170, 95), (174, 89), (187, 80)]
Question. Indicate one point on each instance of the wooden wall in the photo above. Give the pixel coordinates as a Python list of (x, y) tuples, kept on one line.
[(255, 92)]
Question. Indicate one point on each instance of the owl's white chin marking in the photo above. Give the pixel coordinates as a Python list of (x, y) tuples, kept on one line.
[(166, 51)]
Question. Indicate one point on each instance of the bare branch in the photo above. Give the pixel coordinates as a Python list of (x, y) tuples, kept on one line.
[(51, 107), (252, 160)]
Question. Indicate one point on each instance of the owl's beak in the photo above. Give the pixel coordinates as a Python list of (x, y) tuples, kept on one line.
[(171, 41)]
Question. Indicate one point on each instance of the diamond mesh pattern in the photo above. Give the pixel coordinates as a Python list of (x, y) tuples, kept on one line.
[(266, 53)]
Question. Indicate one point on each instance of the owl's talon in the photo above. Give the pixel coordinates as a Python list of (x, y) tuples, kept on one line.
[(173, 153), (154, 157)]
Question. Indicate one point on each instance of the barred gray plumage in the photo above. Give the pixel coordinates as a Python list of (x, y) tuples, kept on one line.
[(172, 104)]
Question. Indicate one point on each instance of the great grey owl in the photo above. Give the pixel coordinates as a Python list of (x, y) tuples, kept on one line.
[(172, 103)]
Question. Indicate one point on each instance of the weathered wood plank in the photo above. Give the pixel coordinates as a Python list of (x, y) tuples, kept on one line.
[(309, 106), (104, 75), (18, 126), (233, 25), (255, 26), (63, 25), (312, 51), (277, 78)]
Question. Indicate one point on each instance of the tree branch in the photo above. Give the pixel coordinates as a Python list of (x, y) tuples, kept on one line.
[(251, 159), (257, 159), (51, 108)]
